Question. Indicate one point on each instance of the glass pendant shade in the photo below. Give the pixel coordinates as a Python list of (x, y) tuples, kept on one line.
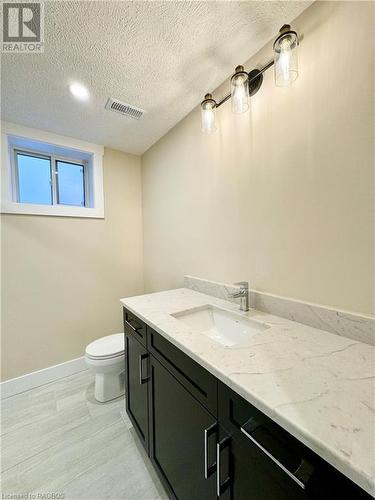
[(240, 90), (208, 114), (285, 57)]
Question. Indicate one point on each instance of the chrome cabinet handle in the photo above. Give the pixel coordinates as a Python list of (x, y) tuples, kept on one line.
[(304, 470), (221, 486), (142, 380), (131, 326), (208, 469), (134, 328)]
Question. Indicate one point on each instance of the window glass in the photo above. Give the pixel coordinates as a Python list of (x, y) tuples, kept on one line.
[(70, 183), (34, 179)]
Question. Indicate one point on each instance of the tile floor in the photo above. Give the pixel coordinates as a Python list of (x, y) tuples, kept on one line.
[(58, 439)]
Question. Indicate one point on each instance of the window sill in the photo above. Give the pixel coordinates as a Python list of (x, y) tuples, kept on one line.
[(52, 210)]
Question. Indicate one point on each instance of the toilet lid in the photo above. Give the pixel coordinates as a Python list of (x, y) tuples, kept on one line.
[(112, 345)]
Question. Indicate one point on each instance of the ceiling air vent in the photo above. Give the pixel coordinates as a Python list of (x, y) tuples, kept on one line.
[(124, 109)]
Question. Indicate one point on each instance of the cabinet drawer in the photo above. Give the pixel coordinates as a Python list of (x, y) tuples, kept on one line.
[(245, 473), (135, 326), (235, 413), (279, 450), (198, 381), (291, 466)]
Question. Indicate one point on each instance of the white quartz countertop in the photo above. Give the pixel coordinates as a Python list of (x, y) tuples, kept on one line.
[(316, 385)]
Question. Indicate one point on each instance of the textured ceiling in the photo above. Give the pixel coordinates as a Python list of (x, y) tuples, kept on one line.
[(159, 56)]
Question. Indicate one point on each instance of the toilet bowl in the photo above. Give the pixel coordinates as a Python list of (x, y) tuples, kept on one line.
[(106, 358)]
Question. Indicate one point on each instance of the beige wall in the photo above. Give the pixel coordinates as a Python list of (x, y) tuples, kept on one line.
[(282, 197), (62, 278)]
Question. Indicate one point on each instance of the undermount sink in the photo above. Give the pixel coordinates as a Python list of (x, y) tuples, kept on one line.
[(224, 327)]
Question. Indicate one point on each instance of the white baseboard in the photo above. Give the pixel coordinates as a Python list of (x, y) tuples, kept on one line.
[(35, 379)]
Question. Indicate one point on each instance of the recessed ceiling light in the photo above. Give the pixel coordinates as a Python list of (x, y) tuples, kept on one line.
[(79, 91)]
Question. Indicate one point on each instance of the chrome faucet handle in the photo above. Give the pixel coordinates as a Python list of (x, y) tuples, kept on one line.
[(244, 285), (242, 294)]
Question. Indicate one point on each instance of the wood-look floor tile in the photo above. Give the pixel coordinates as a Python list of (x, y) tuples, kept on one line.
[(58, 438)]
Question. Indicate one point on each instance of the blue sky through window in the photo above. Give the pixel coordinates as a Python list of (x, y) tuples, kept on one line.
[(71, 187), (34, 179)]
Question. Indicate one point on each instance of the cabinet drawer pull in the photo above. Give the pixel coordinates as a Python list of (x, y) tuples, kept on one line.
[(208, 469), (135, 329), (142, 380), (221, 486), (304, 469)]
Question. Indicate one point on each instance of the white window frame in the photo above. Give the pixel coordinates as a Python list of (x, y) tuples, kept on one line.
[(17, 138), (54, 159)]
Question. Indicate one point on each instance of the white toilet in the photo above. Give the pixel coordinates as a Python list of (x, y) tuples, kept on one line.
[(106, 358)]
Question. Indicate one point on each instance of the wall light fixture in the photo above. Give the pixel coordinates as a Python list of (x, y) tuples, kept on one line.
[(208, 114), (240, 90), (285, 57), (245, 85)]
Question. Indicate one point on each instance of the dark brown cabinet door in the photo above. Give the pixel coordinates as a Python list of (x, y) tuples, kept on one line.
[(137, 366), (177, 438)]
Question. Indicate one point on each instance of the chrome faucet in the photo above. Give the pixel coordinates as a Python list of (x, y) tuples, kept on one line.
[(242, 294)]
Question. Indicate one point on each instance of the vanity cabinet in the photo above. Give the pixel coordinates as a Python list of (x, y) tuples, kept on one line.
[(207, 442)]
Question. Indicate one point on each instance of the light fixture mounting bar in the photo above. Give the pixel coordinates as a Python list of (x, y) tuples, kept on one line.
[(259, 72)]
